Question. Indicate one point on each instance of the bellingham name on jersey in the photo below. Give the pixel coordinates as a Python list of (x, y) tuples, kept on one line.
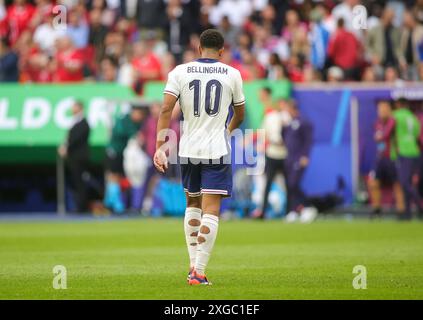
[(206, 89), (202, 69)]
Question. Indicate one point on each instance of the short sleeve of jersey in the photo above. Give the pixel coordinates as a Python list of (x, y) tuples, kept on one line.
[(172, 86), (238, 98)]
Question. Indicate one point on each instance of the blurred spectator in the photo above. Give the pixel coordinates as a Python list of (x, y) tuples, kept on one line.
[(298, 138), (268, 19), (43, 10), (108, 69), (229, 32), (97, 33), (77, 29), (2, 10), (418, 10), (391, 75), (76, 150), (296, 68), (383, 42), (236, 11), (35, 64), (411, 41), (114, 44), (124, 129), (264, 44), (17, 19), (319, 36), (344, 11), (69, 61), (335, 74), (345, 51), (250, 68), (151, 15), (178, 28), (8, 63), (203, 22), (275, 118), (46, 35), (275, 69), (280, 7), (369, 75), (384, 174), (376, 10), (406, 137), (126, 72), (146, 65), (294, 27), (328, 20)]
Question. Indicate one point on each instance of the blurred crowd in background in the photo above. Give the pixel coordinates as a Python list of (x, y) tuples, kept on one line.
[(134, 41)]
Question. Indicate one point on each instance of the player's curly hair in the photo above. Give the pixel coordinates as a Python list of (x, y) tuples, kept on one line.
[(212, 39)]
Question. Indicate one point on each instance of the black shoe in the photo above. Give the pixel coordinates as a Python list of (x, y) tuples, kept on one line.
[(376, 213)]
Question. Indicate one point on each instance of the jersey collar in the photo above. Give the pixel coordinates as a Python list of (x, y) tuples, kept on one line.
[(207, 60)]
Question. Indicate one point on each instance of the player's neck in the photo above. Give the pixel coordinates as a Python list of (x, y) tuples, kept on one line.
[(211, 55)]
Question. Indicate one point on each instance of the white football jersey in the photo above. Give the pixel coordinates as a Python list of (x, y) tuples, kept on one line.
[(206, 89)]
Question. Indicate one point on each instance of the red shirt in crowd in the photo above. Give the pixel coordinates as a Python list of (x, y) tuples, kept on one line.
[(69, 66), (17, 20), (344, 49), (148, 66), (35, 73)]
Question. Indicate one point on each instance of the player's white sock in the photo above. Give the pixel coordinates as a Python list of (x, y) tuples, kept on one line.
[(192, 223), (206, 237)]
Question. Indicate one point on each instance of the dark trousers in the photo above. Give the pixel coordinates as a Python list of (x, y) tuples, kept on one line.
[(407, 168), (295, 194), (76, 170), (273, 167)]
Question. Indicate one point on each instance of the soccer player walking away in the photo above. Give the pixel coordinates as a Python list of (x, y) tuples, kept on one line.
[(406, 136), (207, 89), (385, 173)]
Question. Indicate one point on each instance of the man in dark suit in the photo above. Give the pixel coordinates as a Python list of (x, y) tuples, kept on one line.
[(298, 138), (76, 150)]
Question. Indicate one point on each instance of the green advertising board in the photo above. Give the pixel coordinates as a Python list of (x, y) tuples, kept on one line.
[(34, 118)]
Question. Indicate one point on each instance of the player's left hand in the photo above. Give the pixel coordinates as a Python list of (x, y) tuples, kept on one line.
[(160, 161)]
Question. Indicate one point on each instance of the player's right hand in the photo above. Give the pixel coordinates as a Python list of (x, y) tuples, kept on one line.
[(160, 161)]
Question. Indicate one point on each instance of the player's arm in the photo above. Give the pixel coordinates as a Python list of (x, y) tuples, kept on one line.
[(238, 100), (237, 118), (163, 124)]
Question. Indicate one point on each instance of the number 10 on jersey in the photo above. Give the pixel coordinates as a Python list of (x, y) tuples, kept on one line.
[(212, 103)]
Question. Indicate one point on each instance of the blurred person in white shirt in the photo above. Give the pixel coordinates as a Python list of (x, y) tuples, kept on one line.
[(344, 10), (236, 10), (275, 151), (46, 34)]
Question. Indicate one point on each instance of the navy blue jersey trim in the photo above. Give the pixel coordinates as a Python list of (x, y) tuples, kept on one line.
[(207, 60)]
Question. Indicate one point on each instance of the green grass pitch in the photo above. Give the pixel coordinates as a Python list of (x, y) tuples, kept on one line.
[(147, 259)]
